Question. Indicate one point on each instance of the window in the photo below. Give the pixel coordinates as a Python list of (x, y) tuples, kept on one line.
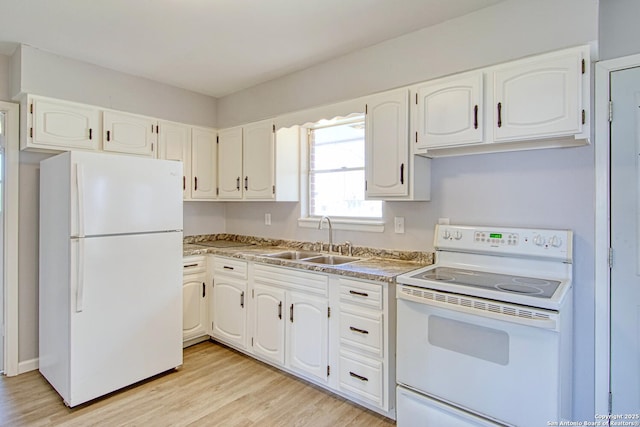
[(336, 171)]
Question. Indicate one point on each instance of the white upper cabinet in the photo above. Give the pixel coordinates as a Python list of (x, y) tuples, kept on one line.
[(174, 143), (254, 164), (386, 144), (538, 98), (258, 161), (60, 125), (230, 163), (449, 111), (204, 163), (129, 133), (391, 172)]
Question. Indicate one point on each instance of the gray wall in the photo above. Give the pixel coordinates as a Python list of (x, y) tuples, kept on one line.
[(5, 67), (508, 30), (46, 74), (546, 188), (619, 29)]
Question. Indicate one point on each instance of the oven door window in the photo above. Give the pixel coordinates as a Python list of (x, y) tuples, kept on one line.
[(476, 341)]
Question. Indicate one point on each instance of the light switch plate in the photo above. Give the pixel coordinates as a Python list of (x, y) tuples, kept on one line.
[(398, 223), (267, 219)]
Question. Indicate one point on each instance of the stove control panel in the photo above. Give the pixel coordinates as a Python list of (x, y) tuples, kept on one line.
[(545, 243)]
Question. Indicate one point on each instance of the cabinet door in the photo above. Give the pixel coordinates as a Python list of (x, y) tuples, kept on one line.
[(194, 307), (128, 133), (203, 163), (268, 329), (230, 163), (387, 145), (307, 334), (449, 111), (258, 160), (229, 311), (539, 98), (174, 143), (64, 125)]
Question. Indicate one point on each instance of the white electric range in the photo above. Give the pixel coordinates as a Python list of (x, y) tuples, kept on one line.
[(484, 336)]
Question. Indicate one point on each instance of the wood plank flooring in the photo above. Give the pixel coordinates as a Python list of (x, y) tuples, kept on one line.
[(216, 386)]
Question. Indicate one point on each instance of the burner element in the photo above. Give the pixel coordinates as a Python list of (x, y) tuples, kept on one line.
[(517, 288), (531, 281), (435, 275)]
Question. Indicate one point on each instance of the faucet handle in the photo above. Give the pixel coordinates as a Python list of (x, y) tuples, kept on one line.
[(349, 246)]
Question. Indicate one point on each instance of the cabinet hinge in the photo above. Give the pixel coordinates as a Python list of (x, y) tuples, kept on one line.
[(365, 186), (610, 111), (416, 98), (274, 128), (30, 132), (584, 66), (416, 136), (610, 258), (157, 129), (328, 311), (328, 370), (31, 108), (217, 139), (273, 189), (251, 341), (217, 191), (253, 295), (584, 117), (152, 147)]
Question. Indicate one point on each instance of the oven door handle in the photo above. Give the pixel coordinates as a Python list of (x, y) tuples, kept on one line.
[(550, 324)]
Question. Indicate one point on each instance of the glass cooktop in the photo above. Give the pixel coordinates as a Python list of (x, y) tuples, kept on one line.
[(530, 286)]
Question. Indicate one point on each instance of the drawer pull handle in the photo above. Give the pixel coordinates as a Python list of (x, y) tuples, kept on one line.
[(360, 377), (361, 331), (190, 265), (226, 267), (280, 310), (361, 294), (242, 299), (291, 313), (499, 114)]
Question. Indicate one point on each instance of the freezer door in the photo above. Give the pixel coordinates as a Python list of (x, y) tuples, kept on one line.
[(114, 194), (126, 311)]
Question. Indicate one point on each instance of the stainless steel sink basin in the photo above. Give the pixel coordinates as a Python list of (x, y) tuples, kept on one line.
[(293, 255), (331, 259)]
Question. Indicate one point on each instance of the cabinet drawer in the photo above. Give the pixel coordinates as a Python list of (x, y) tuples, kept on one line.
[(193, 265), (361, 330), (362, 293), (361, 377), (230, 267), (304, 281)]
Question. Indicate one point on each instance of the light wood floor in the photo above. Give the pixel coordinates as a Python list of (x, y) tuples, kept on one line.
[(216, 386)]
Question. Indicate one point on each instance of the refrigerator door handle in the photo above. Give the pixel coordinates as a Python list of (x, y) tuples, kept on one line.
[(80, 184), (80, 280)]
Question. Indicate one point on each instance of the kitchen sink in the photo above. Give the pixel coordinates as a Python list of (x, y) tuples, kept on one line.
[(293, 255), (331, 259)]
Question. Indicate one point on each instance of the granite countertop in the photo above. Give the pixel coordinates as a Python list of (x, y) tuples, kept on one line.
[(374, 264)]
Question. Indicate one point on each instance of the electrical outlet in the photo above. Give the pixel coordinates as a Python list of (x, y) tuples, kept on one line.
[(398, 223), (267, 219)]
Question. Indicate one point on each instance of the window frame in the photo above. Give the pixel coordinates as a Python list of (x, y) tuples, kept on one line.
[(307, 220)]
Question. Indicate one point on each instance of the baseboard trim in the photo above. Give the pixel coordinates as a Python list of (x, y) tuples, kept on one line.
[(28, 365)]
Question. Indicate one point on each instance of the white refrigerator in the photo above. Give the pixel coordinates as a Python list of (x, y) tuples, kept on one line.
[(110, 272)]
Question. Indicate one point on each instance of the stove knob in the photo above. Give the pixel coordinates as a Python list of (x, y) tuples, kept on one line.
[(457, 235), (446, 234), (555, 241), (538, 240)]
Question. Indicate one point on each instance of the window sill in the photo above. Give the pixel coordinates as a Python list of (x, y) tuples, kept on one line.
[(373, 226)]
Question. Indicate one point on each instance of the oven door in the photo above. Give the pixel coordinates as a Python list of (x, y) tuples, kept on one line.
[(478, 361)]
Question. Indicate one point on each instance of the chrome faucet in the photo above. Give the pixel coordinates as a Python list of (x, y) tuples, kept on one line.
[(330, 231)]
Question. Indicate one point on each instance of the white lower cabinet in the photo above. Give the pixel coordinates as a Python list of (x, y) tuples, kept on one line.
[(366, 342), (228, 308), (291, 319), (194, 299), (334, 331)]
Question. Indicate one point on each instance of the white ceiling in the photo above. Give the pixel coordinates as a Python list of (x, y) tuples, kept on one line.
[(215, 47)]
